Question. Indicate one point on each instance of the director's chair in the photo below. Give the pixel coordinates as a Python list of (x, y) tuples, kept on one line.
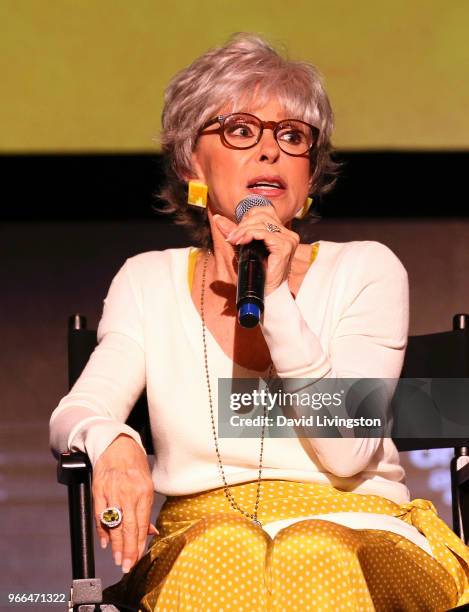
[(438, 355)]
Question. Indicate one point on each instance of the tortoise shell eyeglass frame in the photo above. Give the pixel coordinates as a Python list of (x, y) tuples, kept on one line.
[(275, 126)]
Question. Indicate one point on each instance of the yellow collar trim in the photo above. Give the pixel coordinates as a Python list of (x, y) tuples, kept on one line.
[(193, 252)]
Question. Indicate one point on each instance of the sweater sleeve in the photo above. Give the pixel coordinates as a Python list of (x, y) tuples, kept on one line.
[(368, 340), (94, 412)]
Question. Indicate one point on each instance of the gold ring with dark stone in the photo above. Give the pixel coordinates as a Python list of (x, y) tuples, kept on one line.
[(271, 227)]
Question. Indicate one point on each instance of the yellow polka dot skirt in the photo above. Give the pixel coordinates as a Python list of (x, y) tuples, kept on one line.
[(209, 557)]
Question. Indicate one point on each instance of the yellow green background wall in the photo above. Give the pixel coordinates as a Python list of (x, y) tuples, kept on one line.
[(89, 75)]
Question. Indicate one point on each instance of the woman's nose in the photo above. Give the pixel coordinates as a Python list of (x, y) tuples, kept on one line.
[(268, 146)]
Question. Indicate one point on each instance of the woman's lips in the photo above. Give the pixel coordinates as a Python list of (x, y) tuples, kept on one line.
[(268, 192), (267, 185)]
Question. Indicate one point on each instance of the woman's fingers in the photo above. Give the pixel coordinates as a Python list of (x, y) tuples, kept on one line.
[(121, 477), (127, 539), (257, 218), (253, 216), (280, 244), (260, 213), (152, 530), (285, 243), (99, 505), (224, 224), (257, 232), (136, 518), (130, 538), (104, 499), (117, 543), (143, 512)]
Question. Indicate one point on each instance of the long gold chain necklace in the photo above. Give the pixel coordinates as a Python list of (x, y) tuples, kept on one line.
[(229, 495)]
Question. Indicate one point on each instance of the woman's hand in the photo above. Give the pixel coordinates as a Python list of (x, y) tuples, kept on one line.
[(281, 245), (121, 477)]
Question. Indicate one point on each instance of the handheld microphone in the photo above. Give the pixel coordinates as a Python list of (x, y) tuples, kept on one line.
[(251, 270)]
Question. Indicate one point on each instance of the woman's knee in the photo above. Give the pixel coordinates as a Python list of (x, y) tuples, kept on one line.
[(232, 552), (315, 537), (226, 530)]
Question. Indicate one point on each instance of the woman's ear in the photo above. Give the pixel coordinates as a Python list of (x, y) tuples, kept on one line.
[(197, 172), (197, 189)]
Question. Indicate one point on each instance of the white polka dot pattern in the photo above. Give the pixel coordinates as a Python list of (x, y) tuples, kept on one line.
[(209, 557)]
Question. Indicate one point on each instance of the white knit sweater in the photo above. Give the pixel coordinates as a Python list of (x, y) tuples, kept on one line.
[(349, 319)]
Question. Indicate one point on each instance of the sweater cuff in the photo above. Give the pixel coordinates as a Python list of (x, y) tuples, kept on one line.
[(295, 350), (97, 435)]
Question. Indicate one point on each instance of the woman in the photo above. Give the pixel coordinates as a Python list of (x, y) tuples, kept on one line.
[(236, 530)]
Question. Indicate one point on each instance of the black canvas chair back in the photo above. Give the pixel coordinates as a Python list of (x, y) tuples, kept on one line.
[(81, 343), (438, 355)]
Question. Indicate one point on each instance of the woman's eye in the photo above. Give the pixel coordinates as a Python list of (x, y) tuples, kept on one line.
[(292, 136), (241, 129)]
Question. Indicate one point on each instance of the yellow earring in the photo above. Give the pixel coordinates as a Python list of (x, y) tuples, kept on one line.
[(197, 194), (301, 214)]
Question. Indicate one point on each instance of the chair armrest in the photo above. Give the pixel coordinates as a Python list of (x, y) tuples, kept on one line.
[(463, 474), (74, 470)]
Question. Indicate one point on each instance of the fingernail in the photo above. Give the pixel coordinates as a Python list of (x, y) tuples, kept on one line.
[(126, 565), (117, 558), (103, 542), (231, 234)]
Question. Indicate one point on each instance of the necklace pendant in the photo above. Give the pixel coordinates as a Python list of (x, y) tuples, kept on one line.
[(257, 522)]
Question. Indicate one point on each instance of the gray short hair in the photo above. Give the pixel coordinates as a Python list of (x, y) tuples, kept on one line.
[(246, 68)]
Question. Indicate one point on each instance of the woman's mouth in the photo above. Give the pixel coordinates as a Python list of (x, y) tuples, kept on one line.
[(269, 187)]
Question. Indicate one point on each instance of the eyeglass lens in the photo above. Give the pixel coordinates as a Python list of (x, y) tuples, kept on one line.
[(243, 131)]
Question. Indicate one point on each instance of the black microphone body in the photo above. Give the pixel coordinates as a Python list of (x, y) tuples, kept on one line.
[(251, 270)]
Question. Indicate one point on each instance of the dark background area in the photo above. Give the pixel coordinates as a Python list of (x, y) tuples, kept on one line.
[(68, 222), (113, 187)]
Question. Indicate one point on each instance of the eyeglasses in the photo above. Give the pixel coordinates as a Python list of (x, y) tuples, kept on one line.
[(243, 131)]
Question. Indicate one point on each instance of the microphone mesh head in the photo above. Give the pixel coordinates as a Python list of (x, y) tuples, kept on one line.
[(249, 202)]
